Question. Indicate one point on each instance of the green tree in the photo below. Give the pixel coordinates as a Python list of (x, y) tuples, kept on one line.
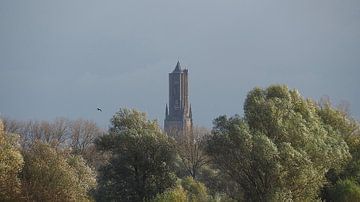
[(11, 162), (141, 159), (345, 190), (196, 191), (337, 119), (176, 194), (220, 184), (187, 190), (280, 150), (51, 175), (340, 121)]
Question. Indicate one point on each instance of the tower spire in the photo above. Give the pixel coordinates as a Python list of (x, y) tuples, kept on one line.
[(178, 67)]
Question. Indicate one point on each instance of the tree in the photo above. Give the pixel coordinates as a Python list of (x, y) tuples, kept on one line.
[(11, 162), (345, 190), (196, 191), (11, 125), (176, 194), (140, 162), (190, 148), (280, 150), (55, 133), (52, 175), (187, 190), (342, 183), (77, 135), (82, 136), (339, 120), (220, 184)]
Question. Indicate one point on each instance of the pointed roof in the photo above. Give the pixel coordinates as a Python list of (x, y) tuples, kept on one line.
[(178, 67)]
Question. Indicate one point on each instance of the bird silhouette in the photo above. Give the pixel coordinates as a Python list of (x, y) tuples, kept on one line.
[(99, 109)]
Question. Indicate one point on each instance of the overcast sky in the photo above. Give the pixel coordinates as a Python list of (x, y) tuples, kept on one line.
[(65, 58)]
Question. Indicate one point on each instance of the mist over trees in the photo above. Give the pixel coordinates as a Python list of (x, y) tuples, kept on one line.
[(284, 148)]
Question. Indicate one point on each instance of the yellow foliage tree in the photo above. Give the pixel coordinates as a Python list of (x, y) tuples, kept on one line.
[(11, 163)]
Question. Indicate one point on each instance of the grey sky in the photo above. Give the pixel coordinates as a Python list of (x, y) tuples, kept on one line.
[(65, 58)]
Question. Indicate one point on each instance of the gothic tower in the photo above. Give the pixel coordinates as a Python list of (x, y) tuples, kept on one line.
[(178, 117)]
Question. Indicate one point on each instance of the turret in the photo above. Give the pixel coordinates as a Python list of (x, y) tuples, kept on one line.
[(190, 112)]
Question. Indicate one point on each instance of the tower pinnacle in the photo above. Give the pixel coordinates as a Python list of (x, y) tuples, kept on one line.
[(190, 112), (166, 111), (178, 67)]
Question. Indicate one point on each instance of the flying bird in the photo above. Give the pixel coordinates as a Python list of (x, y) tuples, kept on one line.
[(99, 109)]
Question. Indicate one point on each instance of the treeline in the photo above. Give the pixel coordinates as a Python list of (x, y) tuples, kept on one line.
[(284, 148), (48, 161)]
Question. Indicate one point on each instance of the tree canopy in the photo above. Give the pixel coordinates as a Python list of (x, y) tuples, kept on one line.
[(140, 162), (280, 150), (51, 175)]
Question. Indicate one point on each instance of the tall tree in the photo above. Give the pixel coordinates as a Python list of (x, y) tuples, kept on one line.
[(141, 159), (82, 136), (190, 148), (280, 150)]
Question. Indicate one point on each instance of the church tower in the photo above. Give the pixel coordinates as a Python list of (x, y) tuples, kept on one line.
[(178, 116)]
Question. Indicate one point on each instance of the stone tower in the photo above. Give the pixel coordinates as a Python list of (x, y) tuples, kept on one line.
[(178, 116)]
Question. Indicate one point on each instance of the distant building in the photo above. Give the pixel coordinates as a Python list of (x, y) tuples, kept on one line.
[(178, 115)]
